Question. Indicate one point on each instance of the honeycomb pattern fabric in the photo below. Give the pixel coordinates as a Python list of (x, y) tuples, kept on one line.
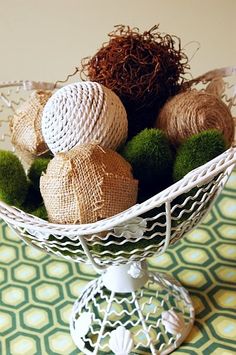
[(37, 291)]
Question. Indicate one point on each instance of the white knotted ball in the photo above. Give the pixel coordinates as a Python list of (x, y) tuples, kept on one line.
[(83, 112)]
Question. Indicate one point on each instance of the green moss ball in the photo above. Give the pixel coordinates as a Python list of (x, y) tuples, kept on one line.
[(40, 212), (198, 150), (151, 158), (33, 199), (38, 166), (13, 180)]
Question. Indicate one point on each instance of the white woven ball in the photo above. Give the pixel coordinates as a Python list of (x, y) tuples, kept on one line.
[(83, 112)]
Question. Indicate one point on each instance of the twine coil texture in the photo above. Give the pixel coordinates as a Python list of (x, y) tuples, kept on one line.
[(192, 112), (83, 112)]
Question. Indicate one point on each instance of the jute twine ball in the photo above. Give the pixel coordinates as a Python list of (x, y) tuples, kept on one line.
[(25, 125), (87, 184), (192, 112), (83, 112)]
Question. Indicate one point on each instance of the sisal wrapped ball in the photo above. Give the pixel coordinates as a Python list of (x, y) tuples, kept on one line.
[(25, 125), (192, 112), (143, 68), (87, 184), (83, 112)]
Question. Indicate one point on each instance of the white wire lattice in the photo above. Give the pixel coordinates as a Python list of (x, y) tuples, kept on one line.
[(141, 311)]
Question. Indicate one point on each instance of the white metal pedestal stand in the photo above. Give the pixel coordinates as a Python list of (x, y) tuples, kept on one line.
[(130, 311)]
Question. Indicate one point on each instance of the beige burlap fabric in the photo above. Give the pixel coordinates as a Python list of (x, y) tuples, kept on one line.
[(25, 125), (87, 184), (192, 112)]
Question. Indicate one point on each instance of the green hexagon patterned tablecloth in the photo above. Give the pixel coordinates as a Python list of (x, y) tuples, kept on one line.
[(37, 290)]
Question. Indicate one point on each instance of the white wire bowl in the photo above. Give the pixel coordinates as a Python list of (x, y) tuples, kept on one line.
[(139, 232)]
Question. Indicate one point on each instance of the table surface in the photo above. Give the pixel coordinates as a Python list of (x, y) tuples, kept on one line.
[(37, 291)]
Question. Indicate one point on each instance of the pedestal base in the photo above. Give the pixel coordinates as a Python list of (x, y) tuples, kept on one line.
[(154, 319)]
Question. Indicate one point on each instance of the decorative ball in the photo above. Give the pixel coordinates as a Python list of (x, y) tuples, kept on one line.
[(25, 125), (40, 212), (151, 158), (143, 69), (13, 181), (33, 199), (83, 112), (192, 112), (198, 150), (38, 166), (87, 184)]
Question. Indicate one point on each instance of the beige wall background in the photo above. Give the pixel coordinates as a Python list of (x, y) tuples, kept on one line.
[(45, 40)]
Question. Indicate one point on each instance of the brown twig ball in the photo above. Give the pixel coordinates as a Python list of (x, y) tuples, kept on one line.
[(192, 112), (143, 69)]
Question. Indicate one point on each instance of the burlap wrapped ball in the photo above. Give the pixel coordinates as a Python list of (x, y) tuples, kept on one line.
[(83, 112), (192, 112), (25, 125), (87, 184)]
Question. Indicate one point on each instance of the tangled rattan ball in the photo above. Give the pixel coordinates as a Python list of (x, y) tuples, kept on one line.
[(82, 112), (192, 112), (25, 125), (143, 69), (87, 184)]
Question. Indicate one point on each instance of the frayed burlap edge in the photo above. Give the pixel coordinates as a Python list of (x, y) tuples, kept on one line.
[(25, 125), (87, 184)]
